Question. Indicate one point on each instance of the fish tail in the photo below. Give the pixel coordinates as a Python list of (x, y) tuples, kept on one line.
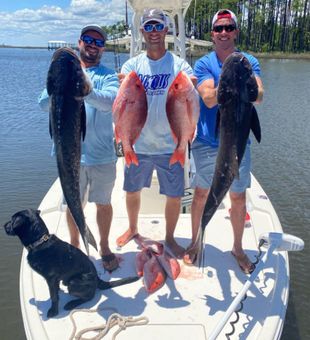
[(89, 239), (131, 157), (177, 156)]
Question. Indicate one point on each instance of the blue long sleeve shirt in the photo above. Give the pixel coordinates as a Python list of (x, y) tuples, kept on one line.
[(98, 145)]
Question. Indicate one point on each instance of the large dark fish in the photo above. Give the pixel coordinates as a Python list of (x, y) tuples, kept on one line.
[(67, 84), (236, 116)]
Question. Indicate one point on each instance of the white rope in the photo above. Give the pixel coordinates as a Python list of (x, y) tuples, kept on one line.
[(114, 319)]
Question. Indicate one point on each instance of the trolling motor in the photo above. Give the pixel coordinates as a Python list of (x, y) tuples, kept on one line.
[(282, 241), (272, 241)]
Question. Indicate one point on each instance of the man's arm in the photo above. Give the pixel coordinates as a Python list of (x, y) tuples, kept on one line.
[(43, 101), (102, 99), (260, 95), (208, 92)]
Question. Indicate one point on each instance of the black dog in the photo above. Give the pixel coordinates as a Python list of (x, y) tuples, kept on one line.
[(57, 260)]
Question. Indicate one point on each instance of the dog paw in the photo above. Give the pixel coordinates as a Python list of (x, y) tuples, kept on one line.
[(72, 304)]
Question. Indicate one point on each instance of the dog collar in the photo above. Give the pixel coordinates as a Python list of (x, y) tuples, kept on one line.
[(43, 239)]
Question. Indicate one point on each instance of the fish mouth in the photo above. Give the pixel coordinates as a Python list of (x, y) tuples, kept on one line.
[(63, 49)]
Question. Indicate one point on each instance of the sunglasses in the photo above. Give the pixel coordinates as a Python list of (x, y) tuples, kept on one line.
[(150, 27), (221, 28), (89, 40)]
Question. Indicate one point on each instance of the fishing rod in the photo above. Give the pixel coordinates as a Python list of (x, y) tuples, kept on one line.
[(274, 241)]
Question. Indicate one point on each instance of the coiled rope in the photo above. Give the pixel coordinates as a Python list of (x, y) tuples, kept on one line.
[(114, 319)]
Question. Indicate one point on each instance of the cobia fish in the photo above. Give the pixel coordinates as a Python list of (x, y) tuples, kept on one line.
[(236, 117), (67, 84), (182, 109), (130, 113)]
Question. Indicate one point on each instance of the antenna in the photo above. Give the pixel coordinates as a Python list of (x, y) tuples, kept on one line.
[(126, 18)]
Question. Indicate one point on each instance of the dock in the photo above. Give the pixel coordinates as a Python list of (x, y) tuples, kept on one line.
[(192, 45), (55, 44)]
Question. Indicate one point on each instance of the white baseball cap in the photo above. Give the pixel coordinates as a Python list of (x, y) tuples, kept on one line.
[(224, 13)]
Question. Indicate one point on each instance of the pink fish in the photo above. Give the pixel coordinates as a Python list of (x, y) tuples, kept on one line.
[(154, 276), (129, 112), (170, 265), (152, 245), (141, 258), (182, 108)]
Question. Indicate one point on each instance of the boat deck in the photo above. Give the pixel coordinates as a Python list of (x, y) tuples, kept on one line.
[(189, 307)]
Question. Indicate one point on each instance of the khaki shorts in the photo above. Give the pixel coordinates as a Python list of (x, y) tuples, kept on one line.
[(97, 183)]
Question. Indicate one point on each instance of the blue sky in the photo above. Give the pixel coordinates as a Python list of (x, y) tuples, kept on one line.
[(35, 22)]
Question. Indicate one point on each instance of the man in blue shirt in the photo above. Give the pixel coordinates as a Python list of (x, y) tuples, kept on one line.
[(205, 147), (98, 159)]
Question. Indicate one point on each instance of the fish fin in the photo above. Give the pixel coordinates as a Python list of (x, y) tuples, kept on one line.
[(89, 239), (255, 125), (177, 156), (131, 157), (50, 128), (83, 120), (217, 123)]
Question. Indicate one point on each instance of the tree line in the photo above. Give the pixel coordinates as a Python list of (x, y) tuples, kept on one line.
[(265, 25)]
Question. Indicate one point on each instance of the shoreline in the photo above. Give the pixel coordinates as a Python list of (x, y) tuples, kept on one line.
[(197, 53)]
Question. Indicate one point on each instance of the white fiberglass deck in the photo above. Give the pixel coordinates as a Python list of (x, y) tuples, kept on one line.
[(188, 308)]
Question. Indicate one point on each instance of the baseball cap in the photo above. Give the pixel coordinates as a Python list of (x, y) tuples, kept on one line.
[(224, 13), (95, 28), (153, 14)]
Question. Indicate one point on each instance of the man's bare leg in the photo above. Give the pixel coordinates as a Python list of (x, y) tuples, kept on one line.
[(104, 220), (133, 202), (198, 204), (172, 212), (237, 218), (73, 230)]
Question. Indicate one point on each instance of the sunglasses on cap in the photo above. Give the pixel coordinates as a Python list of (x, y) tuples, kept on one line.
[(221, 28), (150, 27), (89, 40)]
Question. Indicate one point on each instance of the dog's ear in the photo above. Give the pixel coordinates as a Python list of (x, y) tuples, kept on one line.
[(17, 220)]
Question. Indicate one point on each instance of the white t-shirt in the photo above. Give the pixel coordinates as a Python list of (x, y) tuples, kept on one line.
[(156, 76)]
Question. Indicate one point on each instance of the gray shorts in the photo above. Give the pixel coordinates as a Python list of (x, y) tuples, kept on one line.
[(97, 183), (205, 159), (170, 178)]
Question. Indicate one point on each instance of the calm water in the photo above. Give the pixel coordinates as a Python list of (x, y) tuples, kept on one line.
[(281, 163)]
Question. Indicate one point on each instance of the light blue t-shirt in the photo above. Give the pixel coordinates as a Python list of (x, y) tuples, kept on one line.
[(156, 76), (98, 146), (208, 67)]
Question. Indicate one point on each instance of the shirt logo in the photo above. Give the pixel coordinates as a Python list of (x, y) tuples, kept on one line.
[(154, 82)]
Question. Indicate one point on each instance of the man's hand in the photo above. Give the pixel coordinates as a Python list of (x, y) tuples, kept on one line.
[(121, 76)]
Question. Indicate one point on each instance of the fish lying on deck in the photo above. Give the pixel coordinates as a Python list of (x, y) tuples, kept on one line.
[(236, 117), (154, 263), (182, 108), (67, 84), (129, 112)]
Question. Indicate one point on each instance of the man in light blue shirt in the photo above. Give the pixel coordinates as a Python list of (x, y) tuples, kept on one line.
[(157, 68), (98, 158)]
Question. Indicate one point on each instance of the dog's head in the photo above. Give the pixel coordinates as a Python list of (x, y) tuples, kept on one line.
[(27, 225)]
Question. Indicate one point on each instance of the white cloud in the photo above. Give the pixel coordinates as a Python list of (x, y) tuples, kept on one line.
[(28, 27)]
